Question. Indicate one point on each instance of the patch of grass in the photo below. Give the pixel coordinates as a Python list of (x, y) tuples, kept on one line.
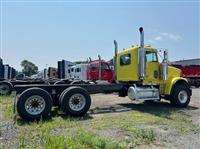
[(102, 124), (80, 139), (181, 122), (137, 135), (71, 133), (175, 119), (0, 130), (6, 107), (90, 140), (61, 133)]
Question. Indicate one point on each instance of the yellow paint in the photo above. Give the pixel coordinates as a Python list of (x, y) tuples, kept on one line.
[(129, 72), (152, 69), (173, 77)]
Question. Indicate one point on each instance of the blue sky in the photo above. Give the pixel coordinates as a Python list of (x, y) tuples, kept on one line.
[(45, 32)]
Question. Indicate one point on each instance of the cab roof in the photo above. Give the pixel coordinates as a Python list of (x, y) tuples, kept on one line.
[(135, 47)]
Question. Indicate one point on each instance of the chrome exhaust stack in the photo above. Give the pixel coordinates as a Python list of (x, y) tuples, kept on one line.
[(164, 65), (142, 53), (115, 59)]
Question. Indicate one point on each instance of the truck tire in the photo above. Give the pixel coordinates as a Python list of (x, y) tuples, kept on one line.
[(75, 101), (5, 88), (180, 95), (34, 103)]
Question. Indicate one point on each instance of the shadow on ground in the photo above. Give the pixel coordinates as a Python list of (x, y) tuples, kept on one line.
[(155, 108), (162, 109), (54, 113)]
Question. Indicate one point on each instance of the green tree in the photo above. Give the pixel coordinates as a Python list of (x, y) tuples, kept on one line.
[(29, 68)]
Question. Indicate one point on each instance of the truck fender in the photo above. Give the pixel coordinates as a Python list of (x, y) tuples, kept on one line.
[(171, 84), (9, 85), (7, 82)]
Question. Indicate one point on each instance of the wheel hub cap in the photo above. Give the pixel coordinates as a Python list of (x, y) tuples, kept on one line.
[(34, 105), (182, 96), (77, 102)]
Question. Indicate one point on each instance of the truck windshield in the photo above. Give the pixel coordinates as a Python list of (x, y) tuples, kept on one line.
[(151, 56), (93, 66), (105, 66)]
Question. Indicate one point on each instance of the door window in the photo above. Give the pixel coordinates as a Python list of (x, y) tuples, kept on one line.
[(125, 59)]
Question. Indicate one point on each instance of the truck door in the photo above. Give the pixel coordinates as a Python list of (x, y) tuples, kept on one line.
[(93, 72), (152, 67), (106, 72)]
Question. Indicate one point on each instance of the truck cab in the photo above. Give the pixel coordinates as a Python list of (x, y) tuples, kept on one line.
[(139, 67), (94, 70), (80, 72)]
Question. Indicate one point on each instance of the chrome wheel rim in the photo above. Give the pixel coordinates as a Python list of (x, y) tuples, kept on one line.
[(4, 89), (77, 102), (35, 105), (182, 96)]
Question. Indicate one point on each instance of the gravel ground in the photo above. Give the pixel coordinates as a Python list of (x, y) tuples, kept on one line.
[(165, 137)]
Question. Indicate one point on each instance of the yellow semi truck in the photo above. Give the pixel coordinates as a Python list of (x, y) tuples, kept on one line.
[(140, 67), (138, 75)]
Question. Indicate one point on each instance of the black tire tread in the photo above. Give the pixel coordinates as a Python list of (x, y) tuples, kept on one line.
[(26, 94), (174, 96), (64, 98)]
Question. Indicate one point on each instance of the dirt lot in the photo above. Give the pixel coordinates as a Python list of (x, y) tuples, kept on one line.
[(110, 103), (166, 137), (112, 122)]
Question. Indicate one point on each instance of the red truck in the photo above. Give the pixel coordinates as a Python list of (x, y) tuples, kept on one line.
[(192, 73), (96, 71)]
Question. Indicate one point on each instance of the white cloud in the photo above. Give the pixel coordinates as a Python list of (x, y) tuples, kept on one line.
[(158, 38), (165, 36), (151, 41), (171, 36)]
